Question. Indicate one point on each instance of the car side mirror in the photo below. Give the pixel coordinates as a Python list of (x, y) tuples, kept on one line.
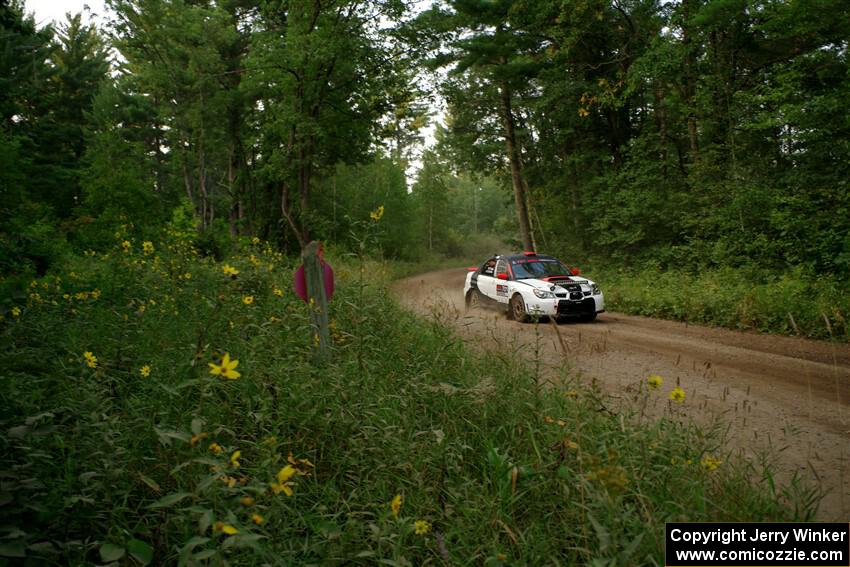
[(502, 277), (575, 271)]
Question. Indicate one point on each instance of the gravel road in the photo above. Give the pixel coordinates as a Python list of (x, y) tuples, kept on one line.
[(785, 394)]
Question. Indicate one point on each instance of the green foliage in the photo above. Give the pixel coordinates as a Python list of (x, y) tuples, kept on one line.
[(352, 193), (797, 302), (698, 133), (118, 441)]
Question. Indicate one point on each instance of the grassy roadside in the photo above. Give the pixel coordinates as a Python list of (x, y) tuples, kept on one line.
[(120, 446), (793, 303)]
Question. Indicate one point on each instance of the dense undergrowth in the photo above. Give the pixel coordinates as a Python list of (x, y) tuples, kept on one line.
[(791, 303), (126, 439)]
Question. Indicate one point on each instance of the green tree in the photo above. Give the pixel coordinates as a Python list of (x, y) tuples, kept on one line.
[(495, 59), (322, 80)]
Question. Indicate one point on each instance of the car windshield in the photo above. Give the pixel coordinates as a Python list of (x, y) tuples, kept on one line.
[(538, 268)]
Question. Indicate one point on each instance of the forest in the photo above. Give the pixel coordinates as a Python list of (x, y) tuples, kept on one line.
[(163, 166), (686, 134)]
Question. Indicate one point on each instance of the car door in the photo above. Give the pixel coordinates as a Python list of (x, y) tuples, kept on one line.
[(501, 282), (486, 280)]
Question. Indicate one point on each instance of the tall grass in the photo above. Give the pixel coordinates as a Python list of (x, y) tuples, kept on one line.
[(735, 299), (105, 462)]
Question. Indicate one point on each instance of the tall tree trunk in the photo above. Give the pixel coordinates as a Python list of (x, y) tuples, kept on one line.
[(690, 80), (661, 123), (431, 228), (206, 213), (304, 174), (287, 214), (187, 181), (235, 203), (516, 170)]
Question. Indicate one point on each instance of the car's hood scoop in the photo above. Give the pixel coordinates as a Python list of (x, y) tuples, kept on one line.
[(568, 283), (564, 280)]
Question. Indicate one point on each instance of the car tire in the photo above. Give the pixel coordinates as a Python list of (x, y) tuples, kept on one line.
[(517, 309), (473, 299), (589, 318)]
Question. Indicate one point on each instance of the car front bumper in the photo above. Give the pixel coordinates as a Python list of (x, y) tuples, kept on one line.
[(559, 307)]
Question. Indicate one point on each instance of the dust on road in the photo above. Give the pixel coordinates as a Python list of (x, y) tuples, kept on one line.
[(785, 394)]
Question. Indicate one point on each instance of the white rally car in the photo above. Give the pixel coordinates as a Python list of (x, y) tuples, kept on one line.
[(530, 284)]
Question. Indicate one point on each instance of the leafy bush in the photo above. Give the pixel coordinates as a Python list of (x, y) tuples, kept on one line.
[(165, 407), (793, 302)]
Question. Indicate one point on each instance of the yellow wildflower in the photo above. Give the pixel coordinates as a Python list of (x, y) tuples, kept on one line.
[(229, 270), (248, 299), (234, 459), (227, 368), (216, 448), (257, 519), (284, 483), (421, 527), (278, 487), (677, 395), (286, 473), (247, 501), (198, 438), (395, 505), (16, 312), (187, 276), (225, 528), (126, 246), (300, 464), (612, 477), (710, 464), (228, 480), (147, 247), (377, 213), (95, 294), (145, 371), (278, 292), (91, 360), (655, 381), (255, 240)]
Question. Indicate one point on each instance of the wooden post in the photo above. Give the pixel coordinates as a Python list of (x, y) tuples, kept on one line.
[(314, 273)]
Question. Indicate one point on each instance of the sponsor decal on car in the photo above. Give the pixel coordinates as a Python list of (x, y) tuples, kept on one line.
[(502, 290)]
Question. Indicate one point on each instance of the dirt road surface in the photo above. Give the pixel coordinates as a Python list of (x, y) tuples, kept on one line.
[(785, 394)]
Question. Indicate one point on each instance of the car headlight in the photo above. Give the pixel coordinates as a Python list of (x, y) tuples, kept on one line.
[(596, 290), (542, 294)]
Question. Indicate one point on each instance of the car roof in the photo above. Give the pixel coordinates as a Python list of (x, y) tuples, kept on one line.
[(524, 256)]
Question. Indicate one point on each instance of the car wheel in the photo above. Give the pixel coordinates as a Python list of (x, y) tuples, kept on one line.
[(589, 318), (517, 310), (473, 299)]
